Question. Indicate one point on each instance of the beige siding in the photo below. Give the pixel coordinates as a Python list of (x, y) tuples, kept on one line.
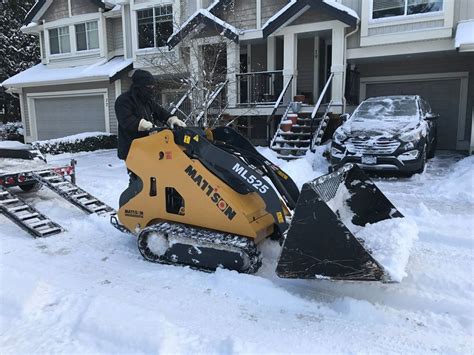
[(26, 115), (243, 15), (312, 16), (463, 10), (57, 10), (406, 27), (112, 118), (270, 8), (115, 35), (80, 7)]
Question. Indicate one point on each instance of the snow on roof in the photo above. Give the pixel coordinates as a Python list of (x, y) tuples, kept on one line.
[(210, 16), (343, 8), (42, 74), (332, 3), (464, 33)]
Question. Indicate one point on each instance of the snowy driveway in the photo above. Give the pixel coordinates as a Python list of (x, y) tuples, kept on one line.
[(89, 290)]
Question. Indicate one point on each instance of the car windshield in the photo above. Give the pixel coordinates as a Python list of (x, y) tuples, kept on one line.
[(387, 109)]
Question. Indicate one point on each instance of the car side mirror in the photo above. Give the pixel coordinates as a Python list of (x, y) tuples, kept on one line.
[(431, 116), (345, 117)]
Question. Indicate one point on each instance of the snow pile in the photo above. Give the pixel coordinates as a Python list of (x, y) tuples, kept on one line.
[(301, 170), (459, 183), (391, 242), (13, 145)]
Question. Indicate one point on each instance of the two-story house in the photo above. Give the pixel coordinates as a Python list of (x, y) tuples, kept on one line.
[(275, 49)]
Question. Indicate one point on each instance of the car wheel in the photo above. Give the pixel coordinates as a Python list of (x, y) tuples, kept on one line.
[(32, 187), (423, 161), (432, 150)]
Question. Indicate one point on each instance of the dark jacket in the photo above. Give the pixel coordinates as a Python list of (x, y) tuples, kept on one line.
[(129, 110)]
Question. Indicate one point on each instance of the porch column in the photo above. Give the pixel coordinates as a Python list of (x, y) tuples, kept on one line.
[(337, 65), (271, 53), (233, 66), (290, 46)]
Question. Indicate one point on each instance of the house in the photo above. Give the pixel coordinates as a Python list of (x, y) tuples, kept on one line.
[(275, 49)]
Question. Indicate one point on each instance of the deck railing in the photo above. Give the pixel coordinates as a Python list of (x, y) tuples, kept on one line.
[(258, 88)]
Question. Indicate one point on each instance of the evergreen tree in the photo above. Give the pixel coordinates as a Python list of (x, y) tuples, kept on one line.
[(18, 51)]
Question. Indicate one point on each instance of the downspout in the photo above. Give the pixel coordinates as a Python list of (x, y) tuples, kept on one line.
[(345, 64)]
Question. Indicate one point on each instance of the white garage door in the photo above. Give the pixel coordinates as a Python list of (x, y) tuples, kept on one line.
[(443, 96), (63, 116)]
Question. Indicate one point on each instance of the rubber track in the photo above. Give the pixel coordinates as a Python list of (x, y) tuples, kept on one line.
[(204, 238)]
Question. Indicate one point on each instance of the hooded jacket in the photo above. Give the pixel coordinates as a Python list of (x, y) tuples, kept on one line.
[(132, 106)]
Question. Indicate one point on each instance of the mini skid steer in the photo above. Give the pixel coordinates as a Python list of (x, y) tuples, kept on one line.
[(207, 199)]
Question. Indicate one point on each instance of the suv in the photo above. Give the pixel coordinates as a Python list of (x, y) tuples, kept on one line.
[(394, 133)]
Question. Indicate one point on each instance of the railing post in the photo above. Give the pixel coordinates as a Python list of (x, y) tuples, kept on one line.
[(290, 61)]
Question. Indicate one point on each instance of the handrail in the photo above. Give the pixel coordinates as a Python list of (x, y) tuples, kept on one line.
[(181, 100), (275, 107), (212, 98), (285, 115), (315, 134), (260, 72), (320, 99)]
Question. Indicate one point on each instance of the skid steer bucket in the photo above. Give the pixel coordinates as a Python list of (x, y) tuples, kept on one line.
[(322, 239)]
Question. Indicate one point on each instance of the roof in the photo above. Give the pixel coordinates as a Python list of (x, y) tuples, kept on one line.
[(206, 18), (106, 5), (465, 35), (296, 7), (42, 74)]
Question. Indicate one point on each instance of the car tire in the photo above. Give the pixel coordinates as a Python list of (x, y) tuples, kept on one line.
[(31, 187), (423, 161), (432, 150)]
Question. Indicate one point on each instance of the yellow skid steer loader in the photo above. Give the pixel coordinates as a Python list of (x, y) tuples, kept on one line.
[(208, 198)]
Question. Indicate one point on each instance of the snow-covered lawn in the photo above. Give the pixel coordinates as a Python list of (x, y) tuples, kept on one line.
[(89, 290)]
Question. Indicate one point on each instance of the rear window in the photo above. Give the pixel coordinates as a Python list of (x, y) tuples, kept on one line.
[(387, 109)]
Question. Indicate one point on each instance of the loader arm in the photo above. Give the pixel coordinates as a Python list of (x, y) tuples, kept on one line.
[(235, 172), (229, 139)]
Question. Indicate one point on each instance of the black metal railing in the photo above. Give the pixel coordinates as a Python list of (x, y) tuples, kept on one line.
[(259, 87), (275, 108)]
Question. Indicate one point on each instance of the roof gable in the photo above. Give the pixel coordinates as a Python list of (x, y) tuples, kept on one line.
[(42, 5), (297, 7)]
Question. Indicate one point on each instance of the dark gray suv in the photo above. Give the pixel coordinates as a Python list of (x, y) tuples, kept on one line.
[(394, 133)]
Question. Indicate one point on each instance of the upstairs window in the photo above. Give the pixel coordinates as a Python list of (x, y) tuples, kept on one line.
[(59, 40), (155, 26), (87, 36), (393, 8)]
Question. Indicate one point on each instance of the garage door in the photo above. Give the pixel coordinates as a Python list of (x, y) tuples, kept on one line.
[(63, 116), (443, 96)]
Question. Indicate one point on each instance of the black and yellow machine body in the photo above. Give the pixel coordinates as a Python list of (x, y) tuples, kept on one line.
[(207, 199)]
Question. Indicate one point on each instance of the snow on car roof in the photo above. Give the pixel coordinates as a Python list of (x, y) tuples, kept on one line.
[(394, 97)]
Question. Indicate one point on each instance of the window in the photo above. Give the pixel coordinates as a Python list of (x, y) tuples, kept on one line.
[(59, 40), (155, 26), (87, 36), (392, 8)]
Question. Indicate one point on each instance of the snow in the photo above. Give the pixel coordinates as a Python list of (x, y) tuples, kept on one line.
[(209, 15), (464, 33), (88, 290), (332, 3), (40, 73), (13, 145)]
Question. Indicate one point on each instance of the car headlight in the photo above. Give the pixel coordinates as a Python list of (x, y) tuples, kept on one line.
[(411, 136), (340, 136)]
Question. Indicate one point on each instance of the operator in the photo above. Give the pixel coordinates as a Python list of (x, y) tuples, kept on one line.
[(137, 112)]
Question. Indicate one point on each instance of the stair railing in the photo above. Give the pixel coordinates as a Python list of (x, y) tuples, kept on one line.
[(316, 138), (275, 108), (176, 108), (212, 98), (284, 117)]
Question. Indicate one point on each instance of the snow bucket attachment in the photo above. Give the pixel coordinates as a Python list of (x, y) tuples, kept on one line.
[(322, 241)]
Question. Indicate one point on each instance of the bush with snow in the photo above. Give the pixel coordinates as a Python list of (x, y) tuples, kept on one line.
[(11, 131), (82, 142)]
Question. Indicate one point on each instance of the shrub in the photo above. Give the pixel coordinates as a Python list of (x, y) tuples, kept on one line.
[(84, 142)]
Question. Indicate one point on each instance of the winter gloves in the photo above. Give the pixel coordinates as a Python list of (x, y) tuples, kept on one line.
[(144, 125), (174, 121)]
